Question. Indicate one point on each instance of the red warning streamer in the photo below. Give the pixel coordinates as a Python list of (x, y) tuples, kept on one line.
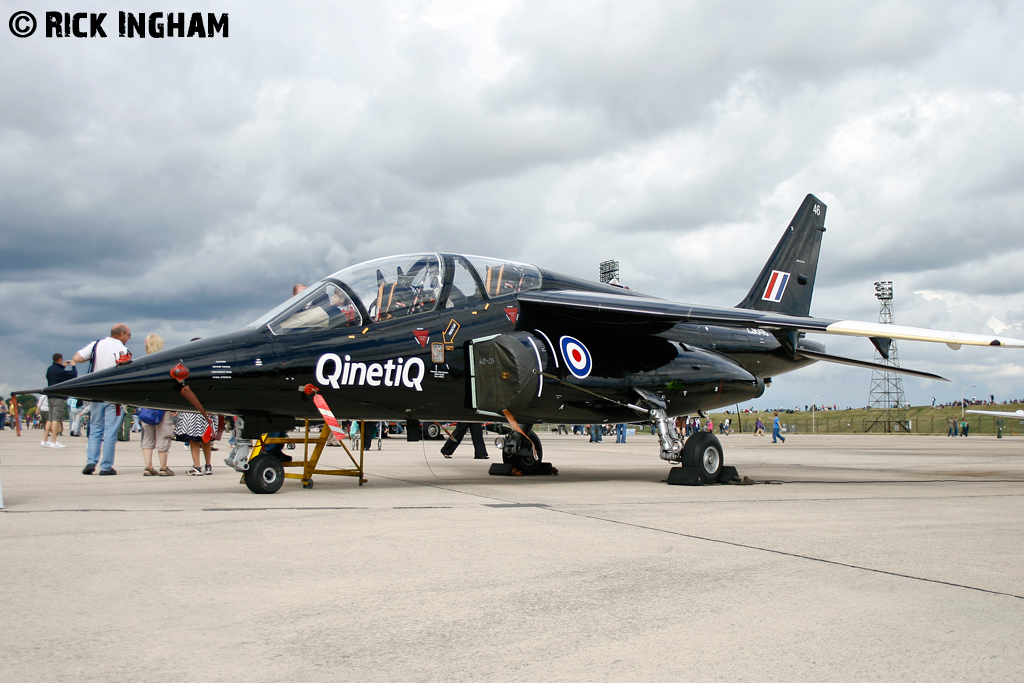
[(329, 418)]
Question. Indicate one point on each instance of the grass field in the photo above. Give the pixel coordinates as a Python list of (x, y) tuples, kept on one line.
[(923, 420)]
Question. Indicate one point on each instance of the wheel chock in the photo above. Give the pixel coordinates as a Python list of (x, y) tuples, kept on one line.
[(500, 469), (695, 476), (728, 475), (686, 476)]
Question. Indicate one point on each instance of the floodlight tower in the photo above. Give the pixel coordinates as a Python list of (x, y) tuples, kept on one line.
[(609, 270), (886, 387)]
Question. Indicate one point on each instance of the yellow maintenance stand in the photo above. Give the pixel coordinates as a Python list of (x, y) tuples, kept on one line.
[(264, 473)]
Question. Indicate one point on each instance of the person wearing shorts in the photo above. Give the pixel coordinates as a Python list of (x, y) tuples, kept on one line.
[(157, 436), (57, 407)]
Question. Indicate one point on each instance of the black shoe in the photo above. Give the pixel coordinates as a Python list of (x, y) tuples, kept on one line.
[(89, 469), (481, 457), (282, 457), (108, 473)]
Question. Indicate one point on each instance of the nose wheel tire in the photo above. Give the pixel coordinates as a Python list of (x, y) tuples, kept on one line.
[(703, 450), (516, 451), (265, 474)]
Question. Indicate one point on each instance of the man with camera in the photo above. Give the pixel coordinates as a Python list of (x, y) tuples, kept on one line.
[(59, 371)]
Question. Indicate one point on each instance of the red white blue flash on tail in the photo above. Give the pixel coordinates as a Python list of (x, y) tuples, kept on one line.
[(329, 418), (576, 356), (776, 286)]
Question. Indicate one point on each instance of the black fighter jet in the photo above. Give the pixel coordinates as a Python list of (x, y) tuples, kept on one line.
[(449, 337)]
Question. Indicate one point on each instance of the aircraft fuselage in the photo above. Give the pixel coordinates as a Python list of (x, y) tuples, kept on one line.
[(419, 367)]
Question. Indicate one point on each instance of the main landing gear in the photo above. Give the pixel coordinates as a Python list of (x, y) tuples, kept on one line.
[(700, 455), (703, 452)]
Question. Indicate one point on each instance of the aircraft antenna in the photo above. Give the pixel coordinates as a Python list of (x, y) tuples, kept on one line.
[(886, 387)]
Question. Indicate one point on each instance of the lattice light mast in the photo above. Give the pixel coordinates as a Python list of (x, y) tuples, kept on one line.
[(886, 387), (609, 270)]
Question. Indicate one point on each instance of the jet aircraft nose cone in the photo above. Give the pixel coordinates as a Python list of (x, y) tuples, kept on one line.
[(154, 380), (137, 383)]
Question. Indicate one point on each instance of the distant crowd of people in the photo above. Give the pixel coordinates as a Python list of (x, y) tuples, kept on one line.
[(974, 401)]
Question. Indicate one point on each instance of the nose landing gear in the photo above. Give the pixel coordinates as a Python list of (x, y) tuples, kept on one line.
[(523, 452)]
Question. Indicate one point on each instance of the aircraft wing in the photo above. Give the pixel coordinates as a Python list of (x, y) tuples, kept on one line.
[(815, 355), (952, 339), (649, 309), (1019, 415)]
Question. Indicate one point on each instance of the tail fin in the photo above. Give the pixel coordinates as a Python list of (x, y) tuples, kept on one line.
[(786, 282)]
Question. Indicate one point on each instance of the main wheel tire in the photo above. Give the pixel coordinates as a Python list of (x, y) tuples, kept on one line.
[(704, 450), (265, 474), (517, 452), (432, 430)]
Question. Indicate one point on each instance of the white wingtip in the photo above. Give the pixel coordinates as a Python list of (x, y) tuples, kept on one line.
[(953, 340)]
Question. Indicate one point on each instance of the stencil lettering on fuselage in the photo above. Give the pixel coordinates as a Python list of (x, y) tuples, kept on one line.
[(391, 373)]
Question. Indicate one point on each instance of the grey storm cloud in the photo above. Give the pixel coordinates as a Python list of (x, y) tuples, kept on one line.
[(183, 186)]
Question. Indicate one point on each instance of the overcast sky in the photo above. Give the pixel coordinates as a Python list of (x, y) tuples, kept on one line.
[(184, 185)]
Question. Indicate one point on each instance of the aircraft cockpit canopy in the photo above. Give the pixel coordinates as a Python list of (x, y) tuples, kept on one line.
[(505, 277), (396, 287), (323, 306)]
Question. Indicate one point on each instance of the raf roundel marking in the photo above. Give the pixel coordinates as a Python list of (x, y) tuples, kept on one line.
[(576, 356)]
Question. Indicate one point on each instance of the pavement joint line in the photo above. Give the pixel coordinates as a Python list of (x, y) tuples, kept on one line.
[(234, 509), (422, 507), (788, 500), (28, 512), (564, 506), (290, 507), (704, 502), (898, 481), (799, 556), (516, 505)]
